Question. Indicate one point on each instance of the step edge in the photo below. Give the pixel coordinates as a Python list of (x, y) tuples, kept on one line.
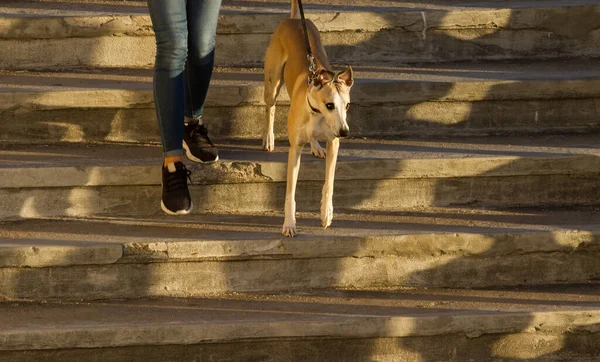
[(473, 326)]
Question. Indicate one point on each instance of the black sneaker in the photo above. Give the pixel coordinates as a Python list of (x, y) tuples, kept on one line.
[(197, 145), (176, 198)]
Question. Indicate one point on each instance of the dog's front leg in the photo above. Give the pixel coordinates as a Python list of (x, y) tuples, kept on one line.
[(316, 149), (289, 224), (333, 147)]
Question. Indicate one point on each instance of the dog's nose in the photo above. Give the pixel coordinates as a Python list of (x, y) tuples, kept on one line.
[(344, 132)]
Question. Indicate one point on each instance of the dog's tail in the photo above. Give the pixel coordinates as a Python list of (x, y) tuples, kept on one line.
[(295, 14)]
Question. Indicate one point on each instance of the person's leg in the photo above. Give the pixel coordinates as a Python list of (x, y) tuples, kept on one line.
[(203, 16), (169, 19)]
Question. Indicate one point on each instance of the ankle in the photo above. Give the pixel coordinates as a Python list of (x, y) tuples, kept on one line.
[(188, 120), (172, 159)]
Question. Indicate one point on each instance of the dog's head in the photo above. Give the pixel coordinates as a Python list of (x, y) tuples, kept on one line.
[(331, 95)]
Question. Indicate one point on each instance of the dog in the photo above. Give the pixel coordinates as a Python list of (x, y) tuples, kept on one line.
[(318, 109)]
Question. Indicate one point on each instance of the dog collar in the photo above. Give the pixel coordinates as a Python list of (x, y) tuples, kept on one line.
[(313, 109)]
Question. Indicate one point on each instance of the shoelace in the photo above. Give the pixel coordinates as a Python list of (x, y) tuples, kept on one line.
[(177, 180), (200, 134)]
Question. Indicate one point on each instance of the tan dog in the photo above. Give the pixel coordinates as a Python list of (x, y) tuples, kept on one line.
[(317, 110)]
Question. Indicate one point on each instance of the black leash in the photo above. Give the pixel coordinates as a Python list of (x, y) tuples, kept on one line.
[(311, 67), (304, 27)]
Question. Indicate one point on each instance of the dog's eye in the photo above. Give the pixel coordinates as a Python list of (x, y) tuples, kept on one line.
[(330, 106), (348, 106)]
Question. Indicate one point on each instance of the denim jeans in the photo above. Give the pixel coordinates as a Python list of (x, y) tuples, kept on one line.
[(185, 52)]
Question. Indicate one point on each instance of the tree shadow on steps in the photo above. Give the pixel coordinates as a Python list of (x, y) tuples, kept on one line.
[(493, 266), (477, 270)]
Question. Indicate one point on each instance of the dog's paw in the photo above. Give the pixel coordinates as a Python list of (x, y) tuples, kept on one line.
[(326, 214), (317, 150), (269, 142), (289, 229)]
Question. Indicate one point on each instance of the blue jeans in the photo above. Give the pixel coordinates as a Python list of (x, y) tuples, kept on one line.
[(185, 52)]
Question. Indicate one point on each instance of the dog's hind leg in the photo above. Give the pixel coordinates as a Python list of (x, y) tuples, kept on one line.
[(273, 81), (333, 147)]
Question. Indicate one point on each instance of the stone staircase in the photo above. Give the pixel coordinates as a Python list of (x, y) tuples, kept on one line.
[(467, 224)]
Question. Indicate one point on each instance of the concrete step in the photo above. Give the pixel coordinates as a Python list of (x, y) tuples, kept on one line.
[(102, 105), (547, 324), (496, 172), (120, 34), (203, 254)]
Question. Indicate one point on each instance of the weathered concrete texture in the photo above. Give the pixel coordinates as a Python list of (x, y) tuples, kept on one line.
[(477, 118), (117, 106), (383, 47), (229, 253), (371, 120), (243, 161), (387, 194), (40, 23), (460, 233), (488, 172), (396, 36), (135, 280), (40, 253), (364, 325), (411, 312), (98, 125), (568, 347), (224, 253), (55, 27), (48, 8), (119, 51)]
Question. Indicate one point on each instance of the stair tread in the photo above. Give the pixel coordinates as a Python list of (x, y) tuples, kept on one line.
[(344, 314), (456, 72), (62, 8), (462, 232), (63, 165), (76, 257), (70, 154)]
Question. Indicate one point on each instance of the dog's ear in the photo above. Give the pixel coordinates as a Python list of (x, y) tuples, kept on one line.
[(323, 76), (346, 77)]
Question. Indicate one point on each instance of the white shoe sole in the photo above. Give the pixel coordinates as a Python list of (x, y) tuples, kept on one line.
[(177, 213), (191, 157)]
